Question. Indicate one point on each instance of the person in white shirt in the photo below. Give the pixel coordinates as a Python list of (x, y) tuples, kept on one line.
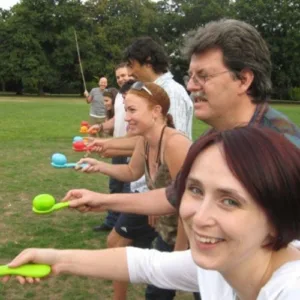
[(148, 62), (240, 216), (118, 126)]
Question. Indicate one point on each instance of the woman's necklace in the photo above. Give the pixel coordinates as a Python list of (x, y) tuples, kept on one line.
[(153, 167)]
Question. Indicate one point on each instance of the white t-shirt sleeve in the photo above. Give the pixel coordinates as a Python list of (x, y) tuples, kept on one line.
[(296, 243), (181, 109), (293, 293), (175, 270)]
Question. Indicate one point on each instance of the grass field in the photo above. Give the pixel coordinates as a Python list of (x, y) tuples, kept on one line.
[(32, 129)]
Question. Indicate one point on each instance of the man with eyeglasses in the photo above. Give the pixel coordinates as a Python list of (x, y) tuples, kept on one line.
[(230, 84)]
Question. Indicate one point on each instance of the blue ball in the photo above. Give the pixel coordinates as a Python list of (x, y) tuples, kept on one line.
[(59, 159), (77, 138)]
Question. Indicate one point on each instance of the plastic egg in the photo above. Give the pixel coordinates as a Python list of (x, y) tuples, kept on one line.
[(83, 129), (43, 202), (77, 138), (59, 159), (79, 146)]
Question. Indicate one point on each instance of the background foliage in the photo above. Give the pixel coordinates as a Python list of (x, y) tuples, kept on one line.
[(38, 53)]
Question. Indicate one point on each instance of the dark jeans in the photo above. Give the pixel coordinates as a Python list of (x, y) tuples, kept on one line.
[(116, 186), (153, 292)]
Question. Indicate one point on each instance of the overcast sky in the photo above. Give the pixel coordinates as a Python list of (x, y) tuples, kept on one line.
[(7, 4)]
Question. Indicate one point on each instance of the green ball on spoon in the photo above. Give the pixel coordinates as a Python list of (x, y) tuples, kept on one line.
[(45, 203)]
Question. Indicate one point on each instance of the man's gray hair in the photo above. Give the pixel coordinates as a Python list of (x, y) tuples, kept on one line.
[(242, 47)]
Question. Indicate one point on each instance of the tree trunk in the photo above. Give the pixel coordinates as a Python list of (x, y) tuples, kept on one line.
[(3, 88)]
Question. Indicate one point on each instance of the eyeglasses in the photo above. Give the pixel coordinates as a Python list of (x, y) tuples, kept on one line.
[(202, 79), (140, 86)]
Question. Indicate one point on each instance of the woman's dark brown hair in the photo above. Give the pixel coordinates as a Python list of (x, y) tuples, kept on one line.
[(267, 165), (110, 93)]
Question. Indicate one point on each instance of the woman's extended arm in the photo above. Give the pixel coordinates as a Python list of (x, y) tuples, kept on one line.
[(123, 172), (168, 270), (175, 270), (105, 264), (137, 203)]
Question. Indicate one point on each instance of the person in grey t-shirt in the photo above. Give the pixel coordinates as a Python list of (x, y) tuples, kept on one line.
[(95, 99)]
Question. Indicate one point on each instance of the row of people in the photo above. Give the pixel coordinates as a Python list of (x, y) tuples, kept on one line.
[(230, 84), (240, 215), (247, 110)]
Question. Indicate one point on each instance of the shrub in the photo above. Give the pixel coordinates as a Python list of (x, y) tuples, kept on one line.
[(294, 93)]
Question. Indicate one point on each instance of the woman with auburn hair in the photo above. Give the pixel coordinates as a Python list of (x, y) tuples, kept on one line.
[(239, 202), (147, 106)]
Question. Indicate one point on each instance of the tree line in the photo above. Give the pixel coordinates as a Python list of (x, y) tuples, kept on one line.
[(38, 50)]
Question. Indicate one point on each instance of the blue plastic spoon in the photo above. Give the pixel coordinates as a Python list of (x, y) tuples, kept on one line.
[(59, 160), (68, 165)]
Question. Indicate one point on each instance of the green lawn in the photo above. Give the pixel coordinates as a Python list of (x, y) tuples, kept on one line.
[(32, 130)]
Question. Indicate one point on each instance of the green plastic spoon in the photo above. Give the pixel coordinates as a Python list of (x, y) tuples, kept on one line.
[(28, 270), (45, 203)]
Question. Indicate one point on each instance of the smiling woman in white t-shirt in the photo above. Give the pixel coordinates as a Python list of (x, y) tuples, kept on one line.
[(240, 207)]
